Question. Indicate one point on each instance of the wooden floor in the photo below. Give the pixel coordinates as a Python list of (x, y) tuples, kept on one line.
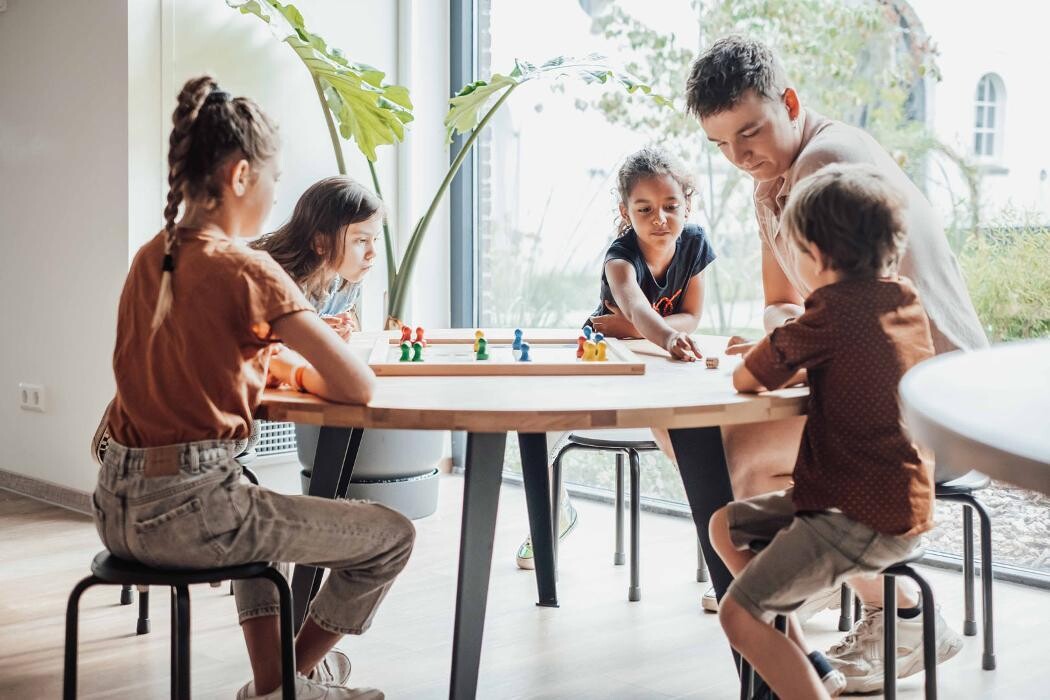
[(597, 645)]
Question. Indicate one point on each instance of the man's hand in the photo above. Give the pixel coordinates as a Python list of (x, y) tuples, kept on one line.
[(739, 346), (682, 346)]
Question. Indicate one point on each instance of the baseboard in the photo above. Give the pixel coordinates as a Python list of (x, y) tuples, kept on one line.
[(46, 491)]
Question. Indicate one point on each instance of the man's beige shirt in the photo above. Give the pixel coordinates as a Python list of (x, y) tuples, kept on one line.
[(927, 261)]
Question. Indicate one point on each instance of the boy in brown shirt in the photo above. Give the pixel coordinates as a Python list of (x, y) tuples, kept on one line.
[(862, 492)]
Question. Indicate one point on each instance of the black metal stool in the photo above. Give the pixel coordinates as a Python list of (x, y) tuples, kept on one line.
[(108, 569), (889, 627), (959, 490), (624, 443), (143, 625)]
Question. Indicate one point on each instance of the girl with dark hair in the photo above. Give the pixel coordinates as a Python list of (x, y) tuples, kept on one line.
[(197, 317)]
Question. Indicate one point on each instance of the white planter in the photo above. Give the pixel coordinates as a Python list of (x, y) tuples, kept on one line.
[(397, 468)]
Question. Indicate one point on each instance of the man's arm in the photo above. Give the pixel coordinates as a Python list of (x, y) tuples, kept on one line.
[(782, 301)]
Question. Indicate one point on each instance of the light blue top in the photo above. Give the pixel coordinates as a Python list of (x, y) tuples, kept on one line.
[(337, 300)]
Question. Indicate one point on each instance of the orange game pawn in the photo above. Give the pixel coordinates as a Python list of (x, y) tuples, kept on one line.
[(419, 336)]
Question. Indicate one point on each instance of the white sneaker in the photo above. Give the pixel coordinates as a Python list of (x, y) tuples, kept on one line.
[(334, 669), (859, 655), (307, 689), (709, 601), (525, 558), (830, 599)]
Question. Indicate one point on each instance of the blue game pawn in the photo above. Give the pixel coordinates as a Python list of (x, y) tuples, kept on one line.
[(525, 353), (598, 337), (517, 339), (587, 330)]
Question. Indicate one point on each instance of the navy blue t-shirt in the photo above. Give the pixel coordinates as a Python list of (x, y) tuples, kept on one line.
[(693, 252)]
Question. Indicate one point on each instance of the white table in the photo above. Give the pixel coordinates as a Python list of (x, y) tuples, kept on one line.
[(987, 410)]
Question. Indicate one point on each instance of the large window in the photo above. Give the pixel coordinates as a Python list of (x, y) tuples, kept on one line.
[(903, 71)]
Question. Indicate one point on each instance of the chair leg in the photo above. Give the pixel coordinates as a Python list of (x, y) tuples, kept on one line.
[(969, 622), (182, 612), (845, 608), (618, 556), (634, 593), (69, 679), (125, 595), (889, 637), (284, 594), (174, 651), (701, 565), (988, 657), (143, 625), (929, 629)]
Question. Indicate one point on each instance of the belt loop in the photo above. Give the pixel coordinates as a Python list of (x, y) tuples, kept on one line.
[(194, 458)]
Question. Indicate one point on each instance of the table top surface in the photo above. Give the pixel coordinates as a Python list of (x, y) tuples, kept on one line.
[(989, 409), (671, 394)]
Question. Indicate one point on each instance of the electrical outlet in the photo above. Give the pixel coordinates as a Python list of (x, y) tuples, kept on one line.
[(32, 397)]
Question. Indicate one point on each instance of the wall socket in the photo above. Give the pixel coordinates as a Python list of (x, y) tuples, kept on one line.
[(32, 397)]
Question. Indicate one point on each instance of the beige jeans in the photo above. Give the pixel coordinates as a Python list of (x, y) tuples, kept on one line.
[(194, 511)]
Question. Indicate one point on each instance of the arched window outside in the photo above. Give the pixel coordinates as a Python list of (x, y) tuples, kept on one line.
[(988, 120)]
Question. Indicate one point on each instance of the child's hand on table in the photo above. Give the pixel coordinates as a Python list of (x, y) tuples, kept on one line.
[(739, 346), (614, 324), (342, 324), (682, 346)]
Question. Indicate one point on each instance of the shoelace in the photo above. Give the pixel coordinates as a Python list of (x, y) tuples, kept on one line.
[(869, 625)]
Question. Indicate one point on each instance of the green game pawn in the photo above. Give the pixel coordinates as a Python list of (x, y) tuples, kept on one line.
[(417, 356), (405, 350), (483, 349)]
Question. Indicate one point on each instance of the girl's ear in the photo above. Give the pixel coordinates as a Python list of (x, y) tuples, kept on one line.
[(239, 176), (623, 213)]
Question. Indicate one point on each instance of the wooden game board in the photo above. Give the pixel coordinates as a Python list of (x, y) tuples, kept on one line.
[(453, 354)]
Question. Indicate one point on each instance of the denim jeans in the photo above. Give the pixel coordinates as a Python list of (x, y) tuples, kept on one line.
[(198, 513)]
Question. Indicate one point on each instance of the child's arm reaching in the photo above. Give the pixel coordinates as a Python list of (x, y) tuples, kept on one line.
[(637, 310)]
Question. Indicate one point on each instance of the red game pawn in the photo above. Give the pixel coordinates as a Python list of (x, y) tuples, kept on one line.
[(406, 334), (579, 350), (419, 336)]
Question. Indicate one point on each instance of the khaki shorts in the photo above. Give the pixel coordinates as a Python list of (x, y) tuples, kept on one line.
[(802, 554)]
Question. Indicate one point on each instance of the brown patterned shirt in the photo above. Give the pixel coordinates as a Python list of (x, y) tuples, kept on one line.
[(856, 340)]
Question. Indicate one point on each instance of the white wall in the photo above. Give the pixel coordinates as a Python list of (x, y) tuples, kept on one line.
[(63, 224), (1005, 37), (83, 133)]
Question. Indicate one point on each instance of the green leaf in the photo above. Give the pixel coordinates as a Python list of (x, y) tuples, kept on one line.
[(369, 111)]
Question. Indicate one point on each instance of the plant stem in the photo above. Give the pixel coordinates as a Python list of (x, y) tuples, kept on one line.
[(397, 291), (340, 164), (388, 241)]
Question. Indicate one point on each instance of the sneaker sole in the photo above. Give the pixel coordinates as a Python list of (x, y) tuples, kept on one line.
[(906, 666), (709, 604)]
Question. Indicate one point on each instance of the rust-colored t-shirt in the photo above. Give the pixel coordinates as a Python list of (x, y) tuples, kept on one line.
[(856, 340), (200, 377)]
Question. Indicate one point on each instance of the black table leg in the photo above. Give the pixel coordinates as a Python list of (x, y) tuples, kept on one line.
[(330, 478), (533, 447), (702, 464), (484, 474)]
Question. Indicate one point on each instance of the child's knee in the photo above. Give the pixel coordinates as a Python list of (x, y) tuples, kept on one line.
[(718, 531), (733, 617)]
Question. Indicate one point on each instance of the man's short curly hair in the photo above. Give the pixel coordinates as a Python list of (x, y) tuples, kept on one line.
[(723, 74)]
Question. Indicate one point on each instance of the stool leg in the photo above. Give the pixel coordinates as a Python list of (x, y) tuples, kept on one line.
[(284, 594), (174, 626), (929, 631), (889, 636), (845, 608), (618, 557), (182, 605), (634, 593), (747, 680), (143, 625), (701, 565), (988, 658), (69, 679), (125, 595), (969, 623), (858, 608)]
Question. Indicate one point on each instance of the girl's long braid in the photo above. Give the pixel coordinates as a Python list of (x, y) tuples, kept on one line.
[(191, 99)]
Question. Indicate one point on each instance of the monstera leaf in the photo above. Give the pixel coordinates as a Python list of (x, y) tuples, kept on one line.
[(465, 108), (369, 112)]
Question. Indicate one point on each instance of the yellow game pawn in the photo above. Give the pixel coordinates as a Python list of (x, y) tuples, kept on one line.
[(602, 348), (590, 351), (478, 335)]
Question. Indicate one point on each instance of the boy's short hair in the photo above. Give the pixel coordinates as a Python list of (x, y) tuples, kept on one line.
[(853, 214), (724, 73)]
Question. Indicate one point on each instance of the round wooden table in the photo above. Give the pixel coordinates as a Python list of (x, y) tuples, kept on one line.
[(687, 398), (987, 410)]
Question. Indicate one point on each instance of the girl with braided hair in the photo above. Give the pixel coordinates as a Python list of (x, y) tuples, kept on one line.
[(197, 318)]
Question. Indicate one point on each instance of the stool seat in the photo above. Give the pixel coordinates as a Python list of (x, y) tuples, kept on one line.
[(965, 484), (113, 569), (639, 439)]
